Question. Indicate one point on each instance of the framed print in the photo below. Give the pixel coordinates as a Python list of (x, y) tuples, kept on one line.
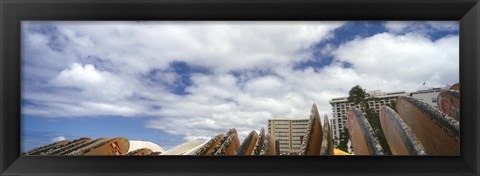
[(239, 87)]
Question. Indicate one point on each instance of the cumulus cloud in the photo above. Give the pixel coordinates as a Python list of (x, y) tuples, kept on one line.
[(92, 82), (249, 74), (139, 47), (403, 61)]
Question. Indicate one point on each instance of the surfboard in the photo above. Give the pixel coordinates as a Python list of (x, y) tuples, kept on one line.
[(182, 148), (399, 136), (363, 138), (449, 103), (327, 139), (247, 145), (142, 151), (311, 143), (438, 132), (155, 153), (268, 146), (47, 147), (75, 150), (259, 144), (230, 145), (69, 146), (116, 146), (196, 149), (207, 148), (222, 141), (138, 144), (340, 152), (455, 87)]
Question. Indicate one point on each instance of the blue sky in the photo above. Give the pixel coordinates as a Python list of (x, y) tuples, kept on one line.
[(173, 82)]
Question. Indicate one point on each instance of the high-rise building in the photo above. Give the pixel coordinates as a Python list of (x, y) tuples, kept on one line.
[(429, 96), (340, 108), (288, 132)]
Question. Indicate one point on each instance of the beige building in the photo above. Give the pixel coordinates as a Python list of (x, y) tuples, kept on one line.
[(288, 132), (340, 108)]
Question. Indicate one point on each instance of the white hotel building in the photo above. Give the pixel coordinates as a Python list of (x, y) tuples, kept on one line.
[(289, 133)]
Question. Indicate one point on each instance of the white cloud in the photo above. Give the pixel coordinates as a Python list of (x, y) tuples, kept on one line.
[(106, 68), (59, 138), (403, 61), (80, 76), (92, 82)]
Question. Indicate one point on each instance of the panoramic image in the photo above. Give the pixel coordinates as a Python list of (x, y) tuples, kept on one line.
[(240, 88)]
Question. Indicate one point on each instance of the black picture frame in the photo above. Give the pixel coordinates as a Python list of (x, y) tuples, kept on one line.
[(14, 11)]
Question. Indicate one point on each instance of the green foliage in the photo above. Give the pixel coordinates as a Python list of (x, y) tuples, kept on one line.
[(357, 95), (344, 137), (374, 119)]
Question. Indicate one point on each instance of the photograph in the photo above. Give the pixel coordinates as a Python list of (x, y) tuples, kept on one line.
[(240, 88)]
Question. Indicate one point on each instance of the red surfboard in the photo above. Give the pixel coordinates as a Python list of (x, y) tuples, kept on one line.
[(449, 103)]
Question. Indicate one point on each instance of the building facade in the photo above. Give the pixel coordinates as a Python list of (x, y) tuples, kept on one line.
[(288, 132), (429, 96), (340, 108)]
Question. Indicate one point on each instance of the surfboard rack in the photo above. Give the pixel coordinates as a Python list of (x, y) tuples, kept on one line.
[(413, 128)]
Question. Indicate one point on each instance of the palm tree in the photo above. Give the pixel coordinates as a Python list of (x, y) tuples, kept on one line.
[(357, 95)]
